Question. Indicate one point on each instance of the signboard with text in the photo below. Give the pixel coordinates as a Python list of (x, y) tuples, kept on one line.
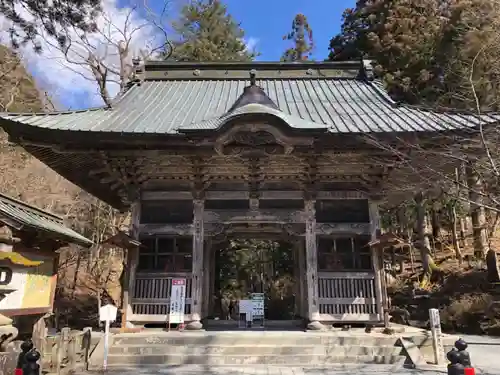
[(258, 305), (258, 309), (177, 301)]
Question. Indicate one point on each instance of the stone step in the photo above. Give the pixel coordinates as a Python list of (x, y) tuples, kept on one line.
[(124, 361), (255, 350), (190, 339), (337, 368)]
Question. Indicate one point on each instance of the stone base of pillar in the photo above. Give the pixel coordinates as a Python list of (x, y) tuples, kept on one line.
[(315, 326), (195, 325)]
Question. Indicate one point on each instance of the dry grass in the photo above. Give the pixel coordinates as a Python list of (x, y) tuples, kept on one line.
[(461, 292)]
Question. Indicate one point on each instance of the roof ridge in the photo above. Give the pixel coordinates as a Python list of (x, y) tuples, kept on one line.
[(28, 206), (155, 64)]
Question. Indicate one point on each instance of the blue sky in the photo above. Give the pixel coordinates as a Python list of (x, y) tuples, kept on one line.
[(268, 20), (265, 23)]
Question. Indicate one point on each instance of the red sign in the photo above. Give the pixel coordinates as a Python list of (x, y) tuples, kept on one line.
[(178, 281)]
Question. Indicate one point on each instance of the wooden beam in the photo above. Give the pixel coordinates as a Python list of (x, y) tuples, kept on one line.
[(214, 227), (245, 195), (166, 229), (332, 229), (166, 195), (254, 216)]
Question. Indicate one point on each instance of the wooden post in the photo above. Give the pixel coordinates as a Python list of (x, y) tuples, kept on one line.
[(301, 291), (206, 278), (86, 342), (198, 244), (378, 267), (296, 277), (130, 270), (303, 286), (211, 270), (311, 259)]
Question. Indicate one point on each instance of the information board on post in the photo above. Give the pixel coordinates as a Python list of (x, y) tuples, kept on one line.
[(107, 314), (177, 302), (258, 308)]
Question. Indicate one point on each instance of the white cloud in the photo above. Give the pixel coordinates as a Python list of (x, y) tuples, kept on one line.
[(250, 43), (73, 82)]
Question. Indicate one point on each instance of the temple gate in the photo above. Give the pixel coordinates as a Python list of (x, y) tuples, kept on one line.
[(338, 276), (200, 152)]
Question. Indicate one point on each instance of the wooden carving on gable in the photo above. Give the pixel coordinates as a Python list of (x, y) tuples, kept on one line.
[(255, 140), (253, 143)]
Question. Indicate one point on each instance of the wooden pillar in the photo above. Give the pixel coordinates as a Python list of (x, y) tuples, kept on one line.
[(206, 291), (296, 277), (131, 262), (197, 278), (377, 264), (299, 247), (211, 270), (311, 260)]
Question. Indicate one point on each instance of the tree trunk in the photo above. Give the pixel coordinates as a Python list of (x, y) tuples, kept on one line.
[(462, 232), (477, 212), (436, 225), (402, 221), (423, 242), (454, 234)]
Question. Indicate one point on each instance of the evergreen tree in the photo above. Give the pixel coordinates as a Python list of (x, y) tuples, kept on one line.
[(207, 32), (302, 38), (424, 49), (32, 17)]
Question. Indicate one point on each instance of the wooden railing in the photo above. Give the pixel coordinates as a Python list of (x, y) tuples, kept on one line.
[(152, 294), (347, 296)]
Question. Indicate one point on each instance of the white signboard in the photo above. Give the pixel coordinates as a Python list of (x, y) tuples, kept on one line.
[(246, 307), (177, 301), (108, 313)]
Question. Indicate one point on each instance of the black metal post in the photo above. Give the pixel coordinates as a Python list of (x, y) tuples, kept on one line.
[(461, 346), (459, 358), (26, 346), (454, 367), (27, 359), (31, 367)]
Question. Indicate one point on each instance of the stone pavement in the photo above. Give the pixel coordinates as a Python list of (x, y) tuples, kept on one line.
[(283, 370)]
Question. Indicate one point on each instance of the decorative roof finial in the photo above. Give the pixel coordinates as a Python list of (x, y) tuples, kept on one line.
[(366, 70), (253, 79)]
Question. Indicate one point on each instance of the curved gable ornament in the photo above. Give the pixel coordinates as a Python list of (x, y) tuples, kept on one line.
[(255, 140)]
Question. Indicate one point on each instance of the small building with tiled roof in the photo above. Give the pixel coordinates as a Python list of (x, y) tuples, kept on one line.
[(203, 152), (29, 240)]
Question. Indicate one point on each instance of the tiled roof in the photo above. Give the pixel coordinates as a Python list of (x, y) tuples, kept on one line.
[(336, 104), (21, 215)]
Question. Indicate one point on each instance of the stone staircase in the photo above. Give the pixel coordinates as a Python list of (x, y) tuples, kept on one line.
[(300, 349)]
